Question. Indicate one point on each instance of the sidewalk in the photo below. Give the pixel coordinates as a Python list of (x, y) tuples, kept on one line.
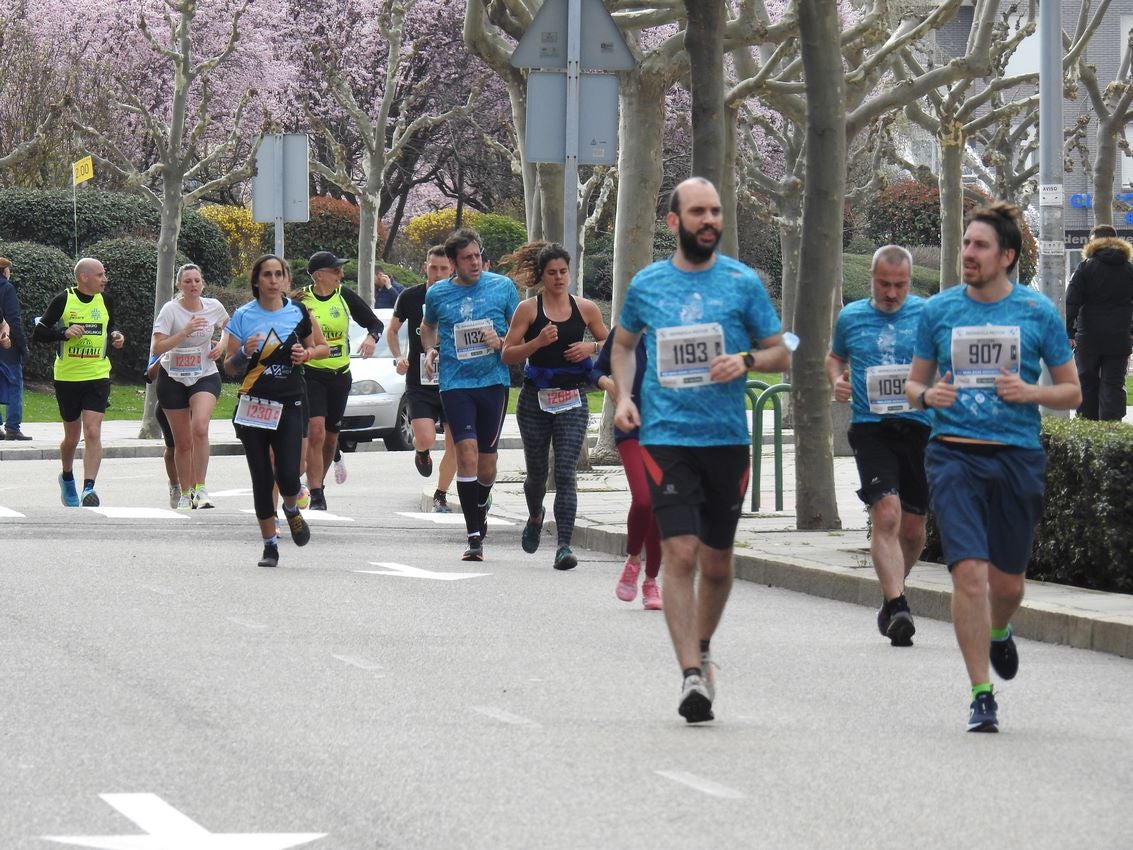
[(769, 550)]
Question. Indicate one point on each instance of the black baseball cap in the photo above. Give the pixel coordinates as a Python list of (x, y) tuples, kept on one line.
[(324, 260)]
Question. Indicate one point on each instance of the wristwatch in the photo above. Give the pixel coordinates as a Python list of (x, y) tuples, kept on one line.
[(749, 360), (922, 400)]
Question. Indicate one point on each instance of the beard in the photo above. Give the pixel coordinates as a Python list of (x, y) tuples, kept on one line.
[(690, 244)]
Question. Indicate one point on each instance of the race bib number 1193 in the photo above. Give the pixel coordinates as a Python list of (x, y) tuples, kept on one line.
[(683, 354)]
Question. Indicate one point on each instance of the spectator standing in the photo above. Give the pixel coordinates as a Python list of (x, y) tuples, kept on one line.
[(386, 289), (12, 356), (1099, 321)]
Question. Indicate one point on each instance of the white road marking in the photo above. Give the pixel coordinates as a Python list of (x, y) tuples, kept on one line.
[(406, 571), (699, 783), (455, 518), (356, 661), (164, 591), (312, 516), (168, 829), (139, 513), (10, 514), (248, 624), (503, 716), (239, 491)]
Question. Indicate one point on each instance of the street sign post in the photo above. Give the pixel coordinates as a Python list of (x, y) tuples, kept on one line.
[(280, 190), (575, 36)]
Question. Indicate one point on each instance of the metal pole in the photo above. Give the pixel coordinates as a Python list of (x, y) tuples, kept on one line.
[(570, 164), (1052, 263), (280, 203)]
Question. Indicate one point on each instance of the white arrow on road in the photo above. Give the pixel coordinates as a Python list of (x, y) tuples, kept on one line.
[(406, 571), (168, 829)]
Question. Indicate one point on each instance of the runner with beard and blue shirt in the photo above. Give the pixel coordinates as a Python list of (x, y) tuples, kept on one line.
[(466, 318), (700, 313), (867, 365), (269, 340), (984, 461)]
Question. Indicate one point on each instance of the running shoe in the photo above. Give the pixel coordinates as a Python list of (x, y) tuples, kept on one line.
[(696, 704), (424, 463), (708, 669), (300, 531), (983, 714), (565, 559), (650, 595), (1004, 656), (627, 584), (90, 498), (303, 500), (185, 502), (339, 471), (174, 495), (531, 532), (883, 617), (70, 496), (440, 506), (270, 557), (484, 520), (900, 628), (201, 499), (475, 550), (318, 499)]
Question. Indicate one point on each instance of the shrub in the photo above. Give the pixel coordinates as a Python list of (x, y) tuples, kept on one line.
[(598, 267), (243, 234), (46, 216), (131, 265), (40, 272), (500, 234), (332, 226), (429, 229)]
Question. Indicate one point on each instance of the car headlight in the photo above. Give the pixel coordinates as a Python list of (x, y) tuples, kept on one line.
[(366, 388)]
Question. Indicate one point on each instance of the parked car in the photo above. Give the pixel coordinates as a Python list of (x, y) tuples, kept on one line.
[(376, 407)]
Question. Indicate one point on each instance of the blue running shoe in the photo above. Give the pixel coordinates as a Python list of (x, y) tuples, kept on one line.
[(565, 559), (983, 717), (1004, 656), (68, 494), (90, 498)]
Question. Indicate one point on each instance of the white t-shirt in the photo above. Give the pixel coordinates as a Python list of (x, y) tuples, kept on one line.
[(189, 361)]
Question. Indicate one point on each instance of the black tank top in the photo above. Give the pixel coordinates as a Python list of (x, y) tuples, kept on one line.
[(570, 332)]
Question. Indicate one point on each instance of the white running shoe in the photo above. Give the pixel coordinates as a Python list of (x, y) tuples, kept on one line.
[(201, 499), (174, 495), (340, 471), (184, 502)]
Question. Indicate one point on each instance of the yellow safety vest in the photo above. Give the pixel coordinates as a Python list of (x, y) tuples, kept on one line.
[(83, 358), (333, 317)]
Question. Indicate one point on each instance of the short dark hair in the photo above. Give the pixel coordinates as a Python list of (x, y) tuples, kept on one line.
[(435, 251), (1007, 222), (1102, 231), (675, 195), (460, 240)]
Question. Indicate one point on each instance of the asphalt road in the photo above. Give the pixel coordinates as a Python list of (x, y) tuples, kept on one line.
[(372, 692)]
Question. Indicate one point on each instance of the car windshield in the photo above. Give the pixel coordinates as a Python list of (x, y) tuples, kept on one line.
[(358, 333)]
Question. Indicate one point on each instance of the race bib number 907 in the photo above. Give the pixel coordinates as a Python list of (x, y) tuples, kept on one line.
[(979, 353)]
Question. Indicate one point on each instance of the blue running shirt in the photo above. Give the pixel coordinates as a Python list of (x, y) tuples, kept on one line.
[(662, 296), (990, 329), (448, 305), (869, 337)]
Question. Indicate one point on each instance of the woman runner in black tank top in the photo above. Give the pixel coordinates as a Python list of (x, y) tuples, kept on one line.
[(547, 331)]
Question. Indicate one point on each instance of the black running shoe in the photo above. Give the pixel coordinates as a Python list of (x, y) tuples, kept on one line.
[(900, 628), (983, 714), (475, 550), (883, 618), (1004, 657), (300, 531), (318, 499), (696, 706), (270, 557), (565, 559), (424, 463)]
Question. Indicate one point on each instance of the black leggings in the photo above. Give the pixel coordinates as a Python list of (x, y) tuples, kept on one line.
[(540, 430), (287, 442)]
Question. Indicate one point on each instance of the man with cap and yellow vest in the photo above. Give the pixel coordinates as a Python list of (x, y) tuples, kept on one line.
[(80, 322), (328, 380)]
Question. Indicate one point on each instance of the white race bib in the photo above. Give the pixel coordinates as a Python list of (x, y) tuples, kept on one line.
[(683, 354), (186, 363), (258, 412), (469, 338), (885, 388), (558, 401), (433, 381), (978, 353)]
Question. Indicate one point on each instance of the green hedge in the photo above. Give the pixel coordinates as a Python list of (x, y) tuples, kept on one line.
[(332, 225), (47, 217), (39, 272), (1085, 535)]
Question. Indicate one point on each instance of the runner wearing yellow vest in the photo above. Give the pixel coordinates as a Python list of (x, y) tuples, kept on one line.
[(328, 379), (80, 322)]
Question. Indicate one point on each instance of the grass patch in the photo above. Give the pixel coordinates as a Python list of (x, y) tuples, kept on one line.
[(126, 402)]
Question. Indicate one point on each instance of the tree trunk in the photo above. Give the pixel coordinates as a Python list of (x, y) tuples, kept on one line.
[(171, 211), (1105, 165), (790, 244), (551, 198), (821, 264), (704, 43), (730, 238), (367, 243), (951, 183)]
